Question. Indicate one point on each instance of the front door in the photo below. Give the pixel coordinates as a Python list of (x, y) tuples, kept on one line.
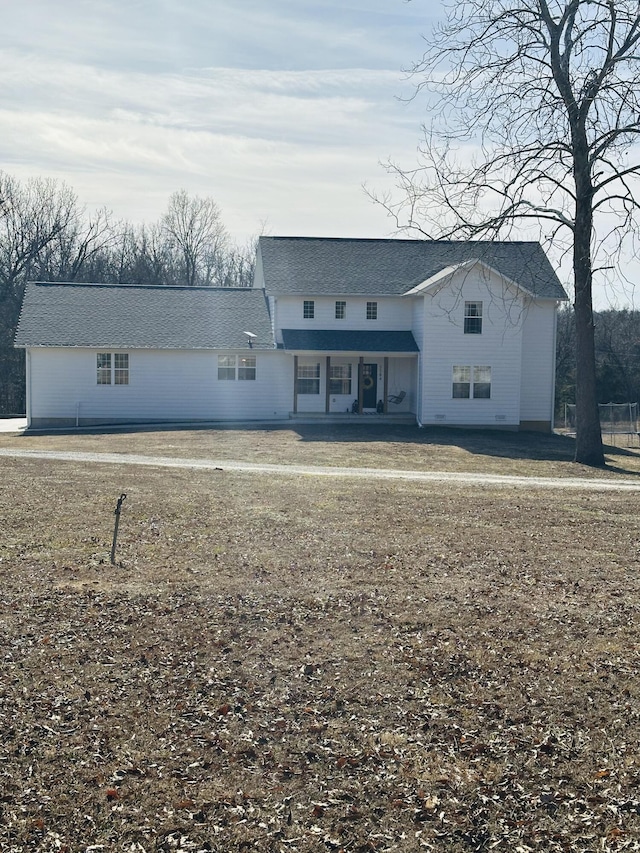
[(369, 386)]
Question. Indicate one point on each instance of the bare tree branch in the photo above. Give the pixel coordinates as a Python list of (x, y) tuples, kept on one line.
[(547, 92)]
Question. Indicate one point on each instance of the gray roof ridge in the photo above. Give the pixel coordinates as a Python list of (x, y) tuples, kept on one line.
[(139, 286), (400, 240)]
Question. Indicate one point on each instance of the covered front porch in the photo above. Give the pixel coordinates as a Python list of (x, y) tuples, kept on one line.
[(378, 380)]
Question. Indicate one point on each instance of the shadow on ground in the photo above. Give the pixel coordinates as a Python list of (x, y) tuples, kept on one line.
[(495, 443), (509, 445), (505, 444)]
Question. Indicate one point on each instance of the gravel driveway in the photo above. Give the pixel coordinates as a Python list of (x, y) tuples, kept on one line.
[(595, 484)]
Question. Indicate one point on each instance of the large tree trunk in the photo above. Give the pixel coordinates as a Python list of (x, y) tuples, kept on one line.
[(589, 449)]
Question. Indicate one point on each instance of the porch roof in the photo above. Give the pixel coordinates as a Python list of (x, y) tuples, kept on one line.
[(331, 340)]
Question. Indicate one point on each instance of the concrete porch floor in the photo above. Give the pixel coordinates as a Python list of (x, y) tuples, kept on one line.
[(351, 417)]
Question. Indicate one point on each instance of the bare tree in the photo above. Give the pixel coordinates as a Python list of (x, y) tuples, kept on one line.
[(193, 225), (33, 215), (549, 92), (75, 250)]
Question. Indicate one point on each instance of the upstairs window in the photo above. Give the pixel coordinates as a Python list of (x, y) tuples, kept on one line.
[(372, 310), (473, 318), (341, 310), (112, 368), (308, 309)]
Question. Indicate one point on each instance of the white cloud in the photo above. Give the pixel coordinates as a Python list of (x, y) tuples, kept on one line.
[(252, 138)]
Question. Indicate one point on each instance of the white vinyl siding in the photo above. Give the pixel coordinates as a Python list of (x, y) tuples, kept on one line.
[(538, 361), (178, 385), (394, 314), (446, 345)]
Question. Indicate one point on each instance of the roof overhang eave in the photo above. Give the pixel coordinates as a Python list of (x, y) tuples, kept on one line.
[(445, 275), (353, 353)]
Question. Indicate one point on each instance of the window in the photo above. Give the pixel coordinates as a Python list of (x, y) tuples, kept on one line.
[(121, 368), (308, 309), (473, 318), (104, 368), (464, 389), (340, 379), (341, 310), (372, 310), (226, 367), (482, 383), (308, 379), (246, 367), (461, 382), (112, 368)]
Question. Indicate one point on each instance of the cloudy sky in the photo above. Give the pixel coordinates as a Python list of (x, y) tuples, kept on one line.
[(278, 109)]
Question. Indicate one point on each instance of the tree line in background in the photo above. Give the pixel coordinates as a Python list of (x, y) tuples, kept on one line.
[(46, 235), (617, 348)]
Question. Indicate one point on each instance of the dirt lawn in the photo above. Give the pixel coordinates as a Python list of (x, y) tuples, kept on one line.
[(287, 663)]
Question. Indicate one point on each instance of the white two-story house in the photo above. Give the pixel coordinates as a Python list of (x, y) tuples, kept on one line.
[(448, 333)]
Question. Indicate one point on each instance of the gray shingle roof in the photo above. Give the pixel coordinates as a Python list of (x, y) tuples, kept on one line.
[(318, 265), (348, 341), (132, 316)]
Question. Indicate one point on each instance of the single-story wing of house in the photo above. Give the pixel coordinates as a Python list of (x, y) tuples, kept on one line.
[(434, 332)]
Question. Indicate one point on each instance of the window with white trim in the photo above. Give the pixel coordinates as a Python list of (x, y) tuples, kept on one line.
[(308, 379), (246, 367), (372, 310), (112, 368), (308, 309), (473, 318), (481, 382), (465, 389), (341, 310), (340, 379), (232, 367)]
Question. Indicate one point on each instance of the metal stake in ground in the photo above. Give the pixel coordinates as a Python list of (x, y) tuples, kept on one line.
[(115, 529)]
